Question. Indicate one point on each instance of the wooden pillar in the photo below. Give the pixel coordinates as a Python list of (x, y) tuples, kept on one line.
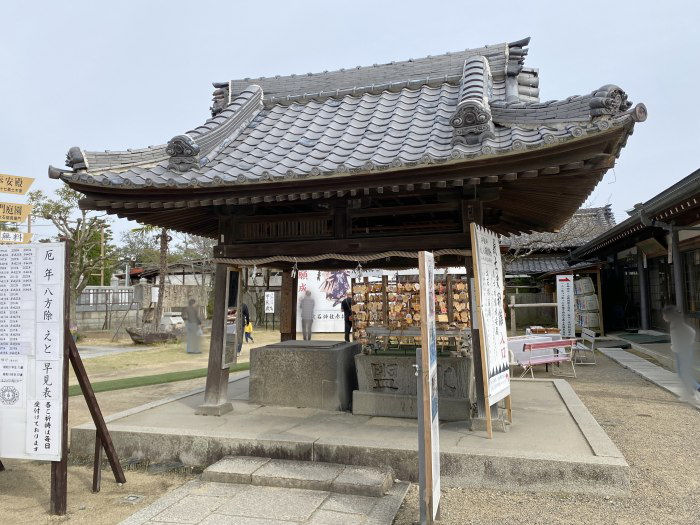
[(678, 280), (599, 283), (643, 277), (216, 400), (288, 307)]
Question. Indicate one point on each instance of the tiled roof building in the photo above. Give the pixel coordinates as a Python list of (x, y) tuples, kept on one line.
[(465, 125)]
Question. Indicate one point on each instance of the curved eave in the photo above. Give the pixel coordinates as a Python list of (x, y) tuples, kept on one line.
[(540, 188)]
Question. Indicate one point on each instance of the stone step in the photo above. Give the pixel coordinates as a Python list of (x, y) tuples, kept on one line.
[(313, 475)]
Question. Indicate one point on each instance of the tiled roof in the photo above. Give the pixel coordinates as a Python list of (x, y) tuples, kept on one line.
[(584, 225), (471, 105), (536, 264)]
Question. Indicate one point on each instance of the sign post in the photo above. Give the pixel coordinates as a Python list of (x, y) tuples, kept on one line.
[(566, 307), (493, 334), (35, 348), (428, 421)]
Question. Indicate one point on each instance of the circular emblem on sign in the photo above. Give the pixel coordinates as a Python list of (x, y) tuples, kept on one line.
[(9, 395)]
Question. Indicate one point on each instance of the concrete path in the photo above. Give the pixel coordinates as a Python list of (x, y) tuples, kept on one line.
[(88, 352), (649, 371), (214, 503)]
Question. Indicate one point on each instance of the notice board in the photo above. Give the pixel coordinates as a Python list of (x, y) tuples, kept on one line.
[(489, 293), (566, 318), (32, 309)]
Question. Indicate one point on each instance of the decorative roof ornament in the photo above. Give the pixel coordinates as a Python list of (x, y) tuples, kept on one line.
[(184, 153), (472, 120), (608, 100), (75, 159)]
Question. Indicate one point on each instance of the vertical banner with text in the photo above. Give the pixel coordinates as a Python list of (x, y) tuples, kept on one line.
[(32, 310), (488, 280), (566, 306)]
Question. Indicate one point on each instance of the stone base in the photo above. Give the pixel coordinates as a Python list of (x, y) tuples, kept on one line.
[(312, 374), (401, 405), (214, 410)]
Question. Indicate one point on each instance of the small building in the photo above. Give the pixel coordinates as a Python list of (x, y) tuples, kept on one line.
[(367, 165), (652, 259)]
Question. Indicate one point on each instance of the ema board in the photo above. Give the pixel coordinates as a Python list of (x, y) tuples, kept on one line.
[(32, 310)]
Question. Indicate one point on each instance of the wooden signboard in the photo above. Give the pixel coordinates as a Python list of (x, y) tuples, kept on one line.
[(35, 348), (566, 308), (14, 212), (14, 184), (428, 422), (15, 237), (490, 314)]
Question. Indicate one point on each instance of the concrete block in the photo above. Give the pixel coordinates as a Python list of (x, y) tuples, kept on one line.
[(318, 374), (289, 504), (214, 410), (364, 481), (397, 405), (349, 503), (191, 509), (389, 374), (330, 517), (233, 469), (297, 474)]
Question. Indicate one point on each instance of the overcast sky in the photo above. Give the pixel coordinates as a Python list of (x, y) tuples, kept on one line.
[(123, 74)]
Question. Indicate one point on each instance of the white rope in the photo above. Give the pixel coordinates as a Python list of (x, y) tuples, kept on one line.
[(338, 256)]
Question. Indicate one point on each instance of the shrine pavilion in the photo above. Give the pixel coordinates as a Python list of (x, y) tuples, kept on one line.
[(365, 165)]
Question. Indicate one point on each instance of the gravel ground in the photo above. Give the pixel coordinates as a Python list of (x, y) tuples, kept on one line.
[(657, 435)]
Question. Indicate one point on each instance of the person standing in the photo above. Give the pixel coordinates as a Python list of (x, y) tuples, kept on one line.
[(241, 324), (346, 306), (683, 347), (307, 305), (193, 327)]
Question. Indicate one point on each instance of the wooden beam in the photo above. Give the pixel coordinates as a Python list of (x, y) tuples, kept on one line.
[(457, 183), (432, 241), (473, 181), (443, 184), (425, 185), (529, 174), (491, 179), (551, 170)]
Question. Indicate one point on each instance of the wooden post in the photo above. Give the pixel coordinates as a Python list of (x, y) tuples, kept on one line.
[(2, 467), (385, 300), (89, 394), (97, 464), (678, 280), (288, 306), (600, 302), (513, 326), (216, 400), (450, 301), (643, 291), (59, 469)]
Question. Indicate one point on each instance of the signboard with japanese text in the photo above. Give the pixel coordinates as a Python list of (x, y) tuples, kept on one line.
[(327, 289), (488, 280), (428, 421), (15, 237), (32, 310), (269, 302), (566, 312), (14, 184), (14, 212)]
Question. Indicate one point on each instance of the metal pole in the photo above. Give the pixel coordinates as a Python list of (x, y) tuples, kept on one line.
[(643, 291)]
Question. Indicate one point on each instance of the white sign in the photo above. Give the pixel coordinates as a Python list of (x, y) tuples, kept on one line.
[(429, 450), (488, 269), (269, 302), (31, 350), (327, 289), (566, 318)]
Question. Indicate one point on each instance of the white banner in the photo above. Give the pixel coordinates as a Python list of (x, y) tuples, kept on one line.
[(566, 318), (31, 350), (327, 289), (488, 269), (269, 302)]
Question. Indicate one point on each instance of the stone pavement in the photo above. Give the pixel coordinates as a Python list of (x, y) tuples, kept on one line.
[(88, 352), (213, 503), (649, 371)]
